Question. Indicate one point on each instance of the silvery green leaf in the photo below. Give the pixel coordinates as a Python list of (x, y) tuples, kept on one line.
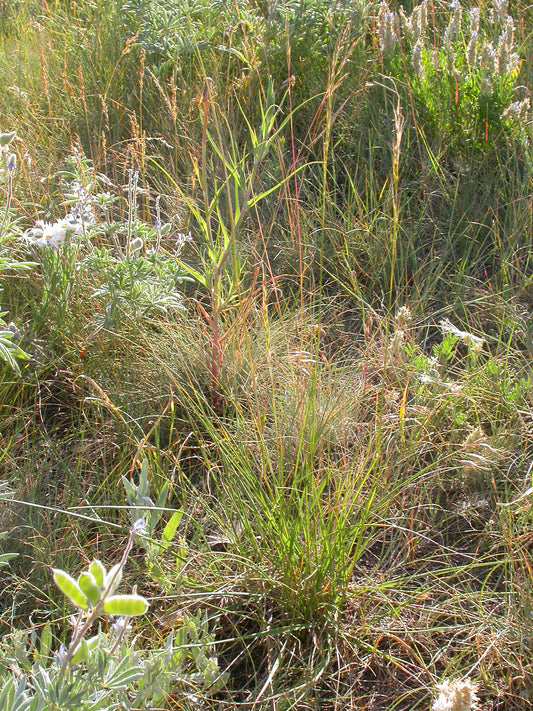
[(98, 571), (70, 588), (127, 605), (10, 692), (125, 678), (82, 653), (6, 138), (89, 587)]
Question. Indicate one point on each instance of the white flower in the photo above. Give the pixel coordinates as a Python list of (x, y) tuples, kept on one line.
[(404, 317), (471, 52), (397, 341), (47, 234), (473, 343), (473, 16), (501, 9), (487, 61), (456, 696)]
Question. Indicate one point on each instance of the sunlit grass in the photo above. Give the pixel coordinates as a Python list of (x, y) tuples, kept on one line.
[(340, 398)]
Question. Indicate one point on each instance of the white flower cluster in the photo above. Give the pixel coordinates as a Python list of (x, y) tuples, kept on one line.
[(388, 25), (456, 696), (414, 26), (493, 60), (518, 110), (473, 343), (404, 317), (54, 234), (500, 9)]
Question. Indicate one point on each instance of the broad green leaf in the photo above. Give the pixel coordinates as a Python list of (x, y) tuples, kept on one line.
[(81, 653), (70, 588), (170, 529), (89, 587), (98, 571), (127, 605)]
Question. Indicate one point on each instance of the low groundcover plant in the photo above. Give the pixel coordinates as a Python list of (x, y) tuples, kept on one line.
[(105, 671)]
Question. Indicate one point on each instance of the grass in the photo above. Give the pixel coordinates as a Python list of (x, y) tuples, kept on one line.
[(353, 481)]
